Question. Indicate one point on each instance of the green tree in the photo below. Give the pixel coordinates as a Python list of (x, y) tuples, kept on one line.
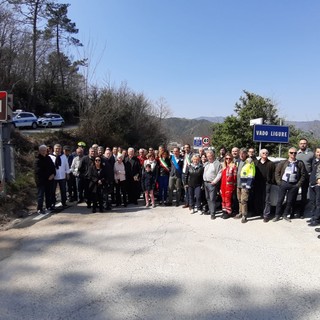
[(60, 27), (236, 129)]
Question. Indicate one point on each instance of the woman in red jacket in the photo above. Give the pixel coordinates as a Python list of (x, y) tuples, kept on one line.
[(228, 184)]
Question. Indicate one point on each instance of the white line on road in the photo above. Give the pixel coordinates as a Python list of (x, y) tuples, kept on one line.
[(41, 216)]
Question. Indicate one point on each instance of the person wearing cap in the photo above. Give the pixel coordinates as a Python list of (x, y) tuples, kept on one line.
[(82, 145)]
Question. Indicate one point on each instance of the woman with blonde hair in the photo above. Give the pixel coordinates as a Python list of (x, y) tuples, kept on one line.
[(228, 184), (194, 180)]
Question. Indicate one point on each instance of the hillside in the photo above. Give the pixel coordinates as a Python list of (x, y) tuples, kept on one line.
[(184, 130), (308, 126)]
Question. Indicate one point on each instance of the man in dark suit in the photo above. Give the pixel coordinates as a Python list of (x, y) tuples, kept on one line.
[(175, 178), (44, 170), (134, 175)]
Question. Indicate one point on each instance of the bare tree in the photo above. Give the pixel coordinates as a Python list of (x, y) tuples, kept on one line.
[(32, 12), (61, 27)]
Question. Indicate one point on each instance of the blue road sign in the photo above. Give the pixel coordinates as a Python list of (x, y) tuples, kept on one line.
[(197, 142), (269, 133)]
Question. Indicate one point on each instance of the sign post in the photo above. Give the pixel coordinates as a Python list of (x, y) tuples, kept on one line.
[(197, 142), (2, 173), (3, 105), (205, 141), (3, 117)]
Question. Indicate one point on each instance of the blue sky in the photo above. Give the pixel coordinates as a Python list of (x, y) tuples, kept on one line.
[(200, 55)]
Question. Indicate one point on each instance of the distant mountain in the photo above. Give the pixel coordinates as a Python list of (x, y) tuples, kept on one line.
[(183, 130), (305, 125), (211, 119), (312, 127)]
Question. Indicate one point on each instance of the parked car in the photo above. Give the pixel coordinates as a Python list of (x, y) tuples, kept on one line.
[(50, 120), (24, 119)]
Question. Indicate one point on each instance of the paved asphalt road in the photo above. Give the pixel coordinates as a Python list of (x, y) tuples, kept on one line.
[(160, 263), (30, 132)]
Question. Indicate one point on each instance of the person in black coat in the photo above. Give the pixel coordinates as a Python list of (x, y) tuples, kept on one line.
[(148, 184), (44, 171), (194, 181), (97, 181), (83, 169), (108, 161), (133, 178)]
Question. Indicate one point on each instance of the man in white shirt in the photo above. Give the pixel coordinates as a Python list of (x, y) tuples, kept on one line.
[(211, 177), (60, 162)]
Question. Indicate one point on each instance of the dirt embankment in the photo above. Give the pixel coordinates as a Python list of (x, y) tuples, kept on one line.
[(20, 195)]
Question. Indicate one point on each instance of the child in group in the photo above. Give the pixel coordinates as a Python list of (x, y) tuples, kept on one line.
[(148, 183)]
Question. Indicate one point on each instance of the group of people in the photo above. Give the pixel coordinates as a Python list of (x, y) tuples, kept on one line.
[(200, 181)]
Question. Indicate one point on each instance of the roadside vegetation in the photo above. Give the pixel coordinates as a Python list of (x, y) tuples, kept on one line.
[(38, 70), (236, 129), (20, 198)]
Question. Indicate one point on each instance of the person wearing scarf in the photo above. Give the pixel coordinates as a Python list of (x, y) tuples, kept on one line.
[(163, 177), (175, 179), (289, 175), (61, 164)]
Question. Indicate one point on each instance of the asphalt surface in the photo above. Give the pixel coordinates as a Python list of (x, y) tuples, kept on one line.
[(160, 263)]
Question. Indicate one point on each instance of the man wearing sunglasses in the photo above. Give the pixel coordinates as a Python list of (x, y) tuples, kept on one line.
[(289, 175)]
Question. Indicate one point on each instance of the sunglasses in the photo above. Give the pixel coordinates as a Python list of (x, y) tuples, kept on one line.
[(292, 152), (228, 158)]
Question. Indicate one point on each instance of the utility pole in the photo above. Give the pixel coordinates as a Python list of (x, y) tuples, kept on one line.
[(3, 117), (280, 143)]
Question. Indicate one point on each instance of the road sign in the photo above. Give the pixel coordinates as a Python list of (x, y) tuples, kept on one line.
[(270, 133), (197, 142), (206, 141), (3, 105), (256, 121)]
